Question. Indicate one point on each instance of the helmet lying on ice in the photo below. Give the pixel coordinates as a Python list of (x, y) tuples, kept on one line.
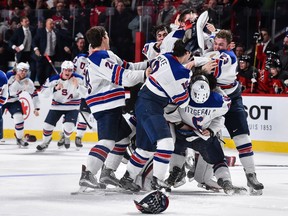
[(154, 202)]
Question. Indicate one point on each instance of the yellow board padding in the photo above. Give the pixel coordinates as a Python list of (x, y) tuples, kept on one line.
[(88, 136), (263, 146)]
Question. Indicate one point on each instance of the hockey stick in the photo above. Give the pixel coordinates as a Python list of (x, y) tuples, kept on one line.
[(55, 70), (51, 63)]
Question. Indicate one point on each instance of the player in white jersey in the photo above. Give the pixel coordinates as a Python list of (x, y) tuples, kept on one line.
[(67, 89), (236, 117), (152, 49), (197, 127), (184, 22), (107, 75), (80, 63), (168, 82), (3, 97), (19, 81)]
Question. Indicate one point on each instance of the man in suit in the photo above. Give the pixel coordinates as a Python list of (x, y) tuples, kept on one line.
[(44, 43), (21, 43)]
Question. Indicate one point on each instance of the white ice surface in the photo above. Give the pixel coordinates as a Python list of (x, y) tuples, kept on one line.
[(39, 184)]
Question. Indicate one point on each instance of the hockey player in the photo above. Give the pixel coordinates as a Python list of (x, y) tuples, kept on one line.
[(107, 75), (80, 63), (19, 81), (247, 75), (67, 89), (167, 83), (235, 118), (3, 97), (197, 126), (152, 49), (184, 21)]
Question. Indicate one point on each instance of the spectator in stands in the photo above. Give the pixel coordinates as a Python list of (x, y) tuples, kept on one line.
[(21, 41), (16, 15), (283, 53), (79, 46), (3, 54), (27, 11), (211, 6), (239, 50), (264, 44), (44, 43), (165, 15), (146, 22), (120, 35), (247, 74), (82, 21)]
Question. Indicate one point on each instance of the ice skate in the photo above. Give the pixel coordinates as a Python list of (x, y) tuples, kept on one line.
[(255, 187), (127, 183), (61, 142), (157, 184), (229, 188), (87, 179), (78, 143), (208, 187), (67, 142), (42, 147), (108, 177), (175, 174), (21, 143)]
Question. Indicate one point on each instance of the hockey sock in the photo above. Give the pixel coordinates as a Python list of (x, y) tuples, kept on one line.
[(114, 158), (137, 162), (98, 155), (221, 170), (47, 132), (244, 147), (19, 125), (68, 128), (162, 157)]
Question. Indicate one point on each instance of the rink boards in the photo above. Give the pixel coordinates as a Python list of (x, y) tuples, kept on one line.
[(267, 118)]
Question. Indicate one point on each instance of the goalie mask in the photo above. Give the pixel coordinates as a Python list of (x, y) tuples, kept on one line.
[(153, 203), (200, 90)]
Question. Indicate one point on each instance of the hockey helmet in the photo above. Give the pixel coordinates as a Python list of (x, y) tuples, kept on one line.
[(273, 63), (22, 66), (67, 65), (200, 90), (245, 58), (154, 202)]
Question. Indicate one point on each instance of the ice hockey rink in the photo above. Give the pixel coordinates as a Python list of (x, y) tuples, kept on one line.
[(33, 184)]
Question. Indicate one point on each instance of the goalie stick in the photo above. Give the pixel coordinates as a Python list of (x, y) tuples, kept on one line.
[(55, 71)]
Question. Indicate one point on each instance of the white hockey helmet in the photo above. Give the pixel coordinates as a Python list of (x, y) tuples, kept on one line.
[(22, 66), (67, 65), (200, 90)]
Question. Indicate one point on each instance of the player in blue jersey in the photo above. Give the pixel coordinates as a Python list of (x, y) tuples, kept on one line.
[(168, 82), (67, 89)]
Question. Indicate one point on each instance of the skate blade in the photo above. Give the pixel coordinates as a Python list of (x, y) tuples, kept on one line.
[(254, 192), (100, 191)]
